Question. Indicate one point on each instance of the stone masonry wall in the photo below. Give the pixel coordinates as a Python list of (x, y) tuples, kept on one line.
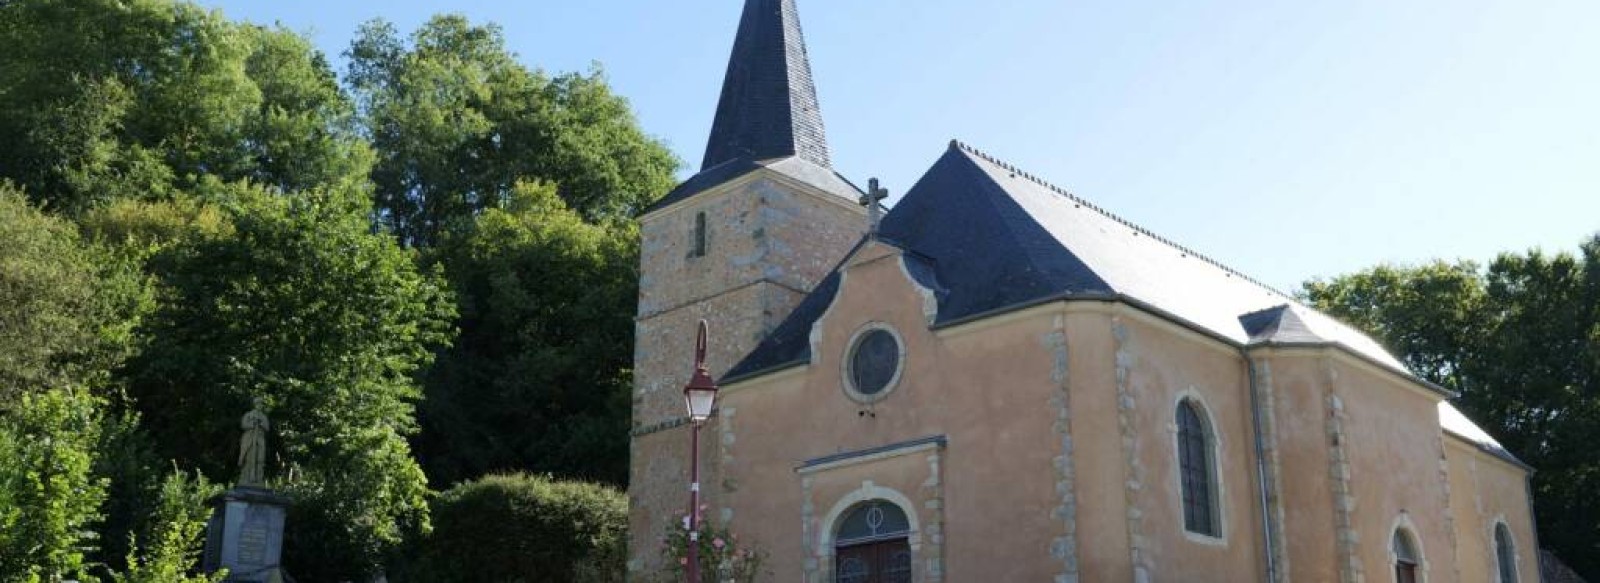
[(769, 242)]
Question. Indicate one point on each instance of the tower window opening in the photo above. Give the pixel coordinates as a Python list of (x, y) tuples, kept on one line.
[(698, 246)]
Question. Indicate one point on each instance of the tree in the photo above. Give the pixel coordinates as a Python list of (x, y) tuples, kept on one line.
[(72, 466), (116, 99), (518, 527), (68, 307), (175, 537), (1520, 342), (49, 500), (458, 122), (537, 380), (301, 304)]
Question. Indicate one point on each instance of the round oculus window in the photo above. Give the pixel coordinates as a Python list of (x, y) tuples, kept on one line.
[(874, 361)]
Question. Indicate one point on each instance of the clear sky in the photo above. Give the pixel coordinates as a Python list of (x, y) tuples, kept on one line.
[(1287, 139)]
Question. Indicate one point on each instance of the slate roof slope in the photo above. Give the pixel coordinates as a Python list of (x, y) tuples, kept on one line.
[(1456, 423), (998, 238), (1142, 266), (819, 177), (768, 107)]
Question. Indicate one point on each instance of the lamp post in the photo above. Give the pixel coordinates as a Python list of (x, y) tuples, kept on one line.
[(698, 396)]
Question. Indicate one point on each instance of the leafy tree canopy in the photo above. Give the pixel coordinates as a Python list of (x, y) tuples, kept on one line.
[(68, 308), (72, 470), (518, 527), (110, 99), (1520, 341), (458, 122), (301, 304), (538, 379)]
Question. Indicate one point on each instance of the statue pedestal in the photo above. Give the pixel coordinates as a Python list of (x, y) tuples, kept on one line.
[(245, 535)]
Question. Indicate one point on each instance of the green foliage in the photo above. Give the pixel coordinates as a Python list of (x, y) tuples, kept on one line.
[(138, 229), (299, 303), (142, 99), (538, 379), (208, 237), (67, 307), (126, 458), (1426, 314), (458, 122), (721, 557), (172, 545), (1520, 341), (49, 500), (521, 528)]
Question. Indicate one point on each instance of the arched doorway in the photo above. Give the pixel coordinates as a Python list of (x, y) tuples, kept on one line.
[(873, 545)]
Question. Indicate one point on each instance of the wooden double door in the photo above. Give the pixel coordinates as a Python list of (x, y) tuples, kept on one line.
[(887, 561)]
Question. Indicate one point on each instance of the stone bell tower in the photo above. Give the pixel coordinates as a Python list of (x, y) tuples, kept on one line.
[(739, 244)]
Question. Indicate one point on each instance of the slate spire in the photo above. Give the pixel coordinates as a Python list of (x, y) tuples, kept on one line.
[(769, 104)]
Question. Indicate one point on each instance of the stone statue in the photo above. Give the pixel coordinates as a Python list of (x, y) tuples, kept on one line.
[(253, 447)]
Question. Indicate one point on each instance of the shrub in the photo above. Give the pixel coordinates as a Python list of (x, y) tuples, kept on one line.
[(49, 499), (171, 549), (522, 528), (722, 557)]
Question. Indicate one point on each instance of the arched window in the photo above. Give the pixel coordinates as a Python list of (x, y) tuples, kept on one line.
[(1406, 558), (1197, 471), (1505, 554), (873, 545)]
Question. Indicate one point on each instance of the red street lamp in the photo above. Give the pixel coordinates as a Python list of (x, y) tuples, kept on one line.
[(699, 396)]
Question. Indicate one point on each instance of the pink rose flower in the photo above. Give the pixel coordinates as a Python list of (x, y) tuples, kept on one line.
[(717, 542)]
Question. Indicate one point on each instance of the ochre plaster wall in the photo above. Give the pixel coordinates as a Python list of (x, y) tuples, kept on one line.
[(1486, 490), (1160, 365), (1059, 459), (995, 391), (1300, 452), (1100, 470), (1396, 452), (987, 392)]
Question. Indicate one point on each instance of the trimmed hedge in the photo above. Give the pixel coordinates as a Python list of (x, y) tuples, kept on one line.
[(522, 528)]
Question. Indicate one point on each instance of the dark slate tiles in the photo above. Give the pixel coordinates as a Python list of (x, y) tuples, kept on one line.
[(768, 107), (995, 238), (805, 171)]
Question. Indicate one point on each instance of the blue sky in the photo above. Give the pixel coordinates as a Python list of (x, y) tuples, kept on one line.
[(1289, 140)]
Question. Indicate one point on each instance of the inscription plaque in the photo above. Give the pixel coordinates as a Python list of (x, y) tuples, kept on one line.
[(253, 543)]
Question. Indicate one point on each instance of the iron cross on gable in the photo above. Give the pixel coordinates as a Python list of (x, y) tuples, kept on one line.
[(873, 200)]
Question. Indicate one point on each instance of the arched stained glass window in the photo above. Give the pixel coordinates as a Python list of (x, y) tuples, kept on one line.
[(1405, 557), (1505, 554), (1196, 470)]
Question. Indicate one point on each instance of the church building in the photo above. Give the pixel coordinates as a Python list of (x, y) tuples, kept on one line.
[(1000, 381)]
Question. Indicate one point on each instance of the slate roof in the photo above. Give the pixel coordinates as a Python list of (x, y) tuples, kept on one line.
[(1453, 421), (768, 115), (1279, 324), (989, 238), (998, 239), (769, 104), (819, 177)]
